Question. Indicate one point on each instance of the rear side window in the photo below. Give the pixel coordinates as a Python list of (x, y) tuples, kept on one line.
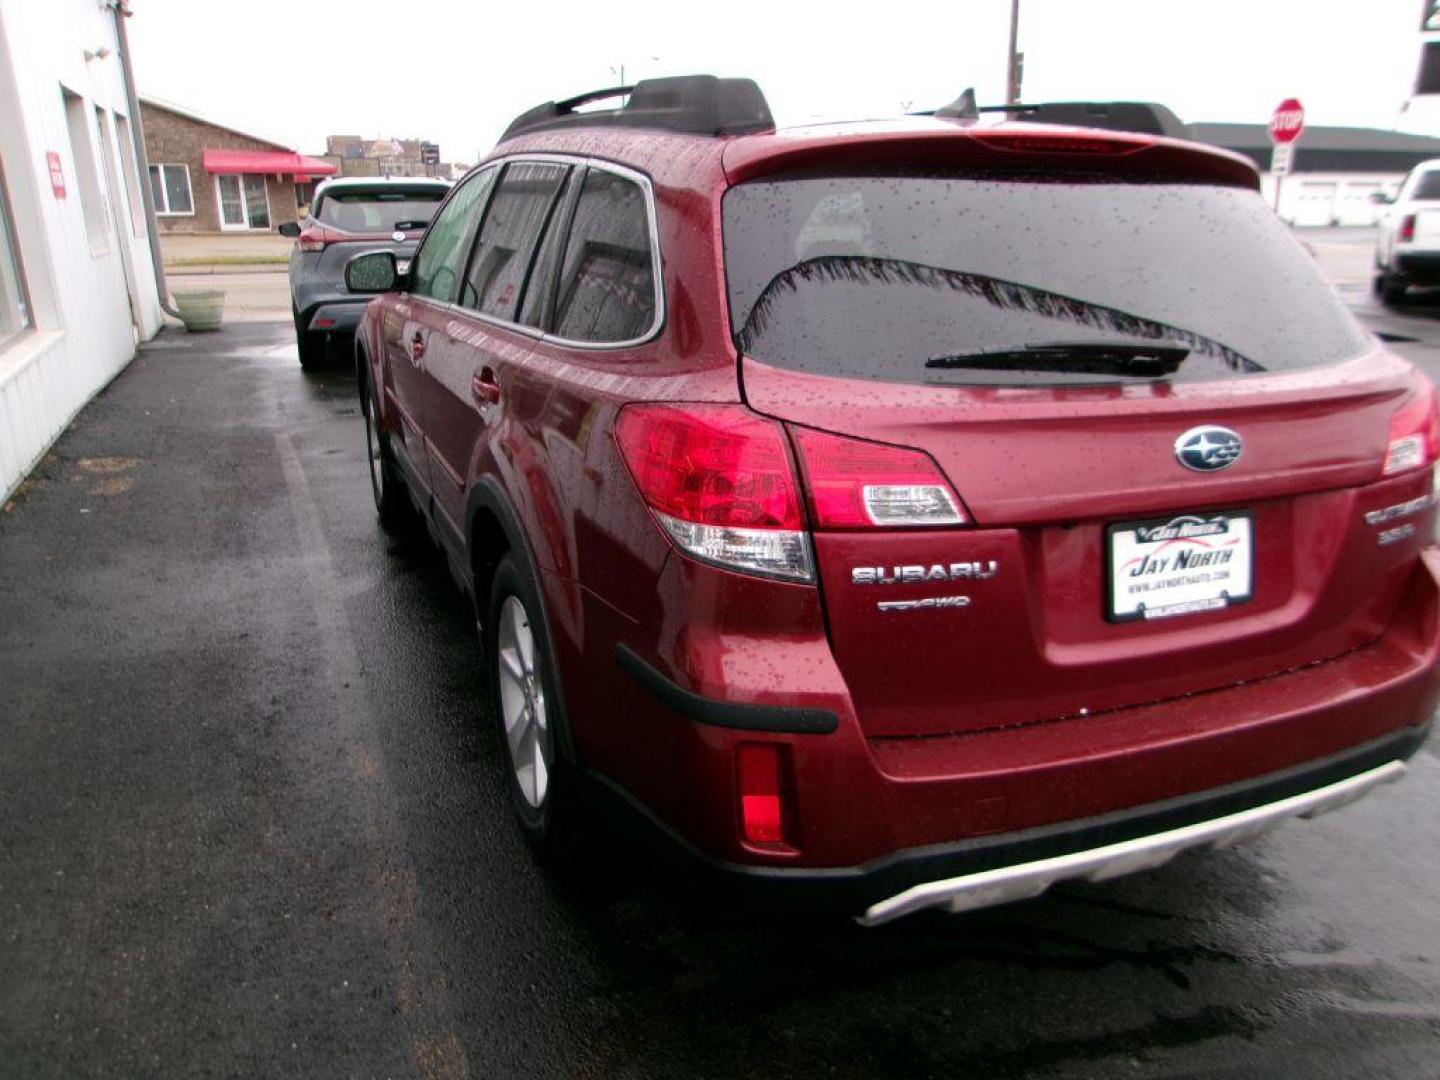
[(442, 253), (1427, 187), (507, 239), (975, 279), (539, 298), (378, 211), (606, 292)]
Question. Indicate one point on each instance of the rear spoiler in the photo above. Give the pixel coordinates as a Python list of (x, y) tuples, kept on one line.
[(1002, 147), (1141, 117)]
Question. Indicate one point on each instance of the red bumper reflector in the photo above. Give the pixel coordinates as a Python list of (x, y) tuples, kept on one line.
[(761, 813), (321, 323)]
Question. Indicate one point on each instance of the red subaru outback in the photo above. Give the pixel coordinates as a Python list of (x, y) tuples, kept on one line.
[(927, 510)]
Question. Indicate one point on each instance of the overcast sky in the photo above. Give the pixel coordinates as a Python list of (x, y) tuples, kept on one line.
[(457, 72)]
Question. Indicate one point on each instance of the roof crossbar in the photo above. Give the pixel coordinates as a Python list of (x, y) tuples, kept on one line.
[(694, 104)]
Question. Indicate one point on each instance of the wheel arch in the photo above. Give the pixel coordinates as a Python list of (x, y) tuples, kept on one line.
[(494, 530)]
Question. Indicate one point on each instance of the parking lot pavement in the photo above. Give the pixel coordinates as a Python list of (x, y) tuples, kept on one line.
[(254, 825)]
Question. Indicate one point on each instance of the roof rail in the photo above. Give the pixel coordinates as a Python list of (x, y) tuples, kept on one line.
[(695, 104)]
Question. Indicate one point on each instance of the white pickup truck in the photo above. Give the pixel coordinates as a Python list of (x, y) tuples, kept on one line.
[(1407, 240)]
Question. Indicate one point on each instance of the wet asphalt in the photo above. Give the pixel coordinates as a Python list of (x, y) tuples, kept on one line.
[(252, 823)]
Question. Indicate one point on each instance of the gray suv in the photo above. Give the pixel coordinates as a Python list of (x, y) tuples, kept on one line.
[(348, 216)]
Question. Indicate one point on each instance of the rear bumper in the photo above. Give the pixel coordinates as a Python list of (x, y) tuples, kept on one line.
[(1419, 267), (986, 871), (876, 818), (1020, 881), (341, 316)]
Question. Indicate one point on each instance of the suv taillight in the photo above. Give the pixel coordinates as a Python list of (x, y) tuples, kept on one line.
[(314, 238), (1414, 434), (1407, 228), (853, 484), (719, 480)]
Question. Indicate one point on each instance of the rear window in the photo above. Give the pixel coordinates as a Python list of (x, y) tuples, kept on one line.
[(1000, 281), (1427, 187), (379, 211)]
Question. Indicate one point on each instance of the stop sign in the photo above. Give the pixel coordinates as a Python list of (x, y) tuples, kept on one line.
[(1287, 121)]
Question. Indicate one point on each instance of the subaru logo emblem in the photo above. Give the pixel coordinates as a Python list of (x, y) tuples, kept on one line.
[(1207, 448), (397, 236)]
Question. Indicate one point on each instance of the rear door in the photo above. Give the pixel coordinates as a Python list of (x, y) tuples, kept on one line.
[(467, 344), (1073, 355)]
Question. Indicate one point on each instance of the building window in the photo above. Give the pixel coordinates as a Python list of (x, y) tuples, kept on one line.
[(82, 153), (170, 186), (243, 202), (131, 172), (14, 310)]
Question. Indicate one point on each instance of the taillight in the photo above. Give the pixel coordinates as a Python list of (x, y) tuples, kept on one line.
[(1407, 228), (314, 238), (1046, 143), (719, 481), (762, 808), (1414, 433), (852, 484)]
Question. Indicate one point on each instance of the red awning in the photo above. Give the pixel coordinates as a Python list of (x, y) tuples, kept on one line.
[(284, 162)]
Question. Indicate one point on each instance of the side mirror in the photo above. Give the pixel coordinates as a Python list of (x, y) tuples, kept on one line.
[(289, 228), (372, 272), (1379, 198)]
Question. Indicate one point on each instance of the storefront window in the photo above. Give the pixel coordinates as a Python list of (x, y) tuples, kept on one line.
[(14, 309)]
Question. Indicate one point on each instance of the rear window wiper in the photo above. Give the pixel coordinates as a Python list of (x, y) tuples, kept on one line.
[(406, 226), (1134, 359)]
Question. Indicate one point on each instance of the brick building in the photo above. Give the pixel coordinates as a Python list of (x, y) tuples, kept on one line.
[(355, 156), (207, 177)]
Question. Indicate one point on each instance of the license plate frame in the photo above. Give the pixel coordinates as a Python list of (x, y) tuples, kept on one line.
[(1173, 590)]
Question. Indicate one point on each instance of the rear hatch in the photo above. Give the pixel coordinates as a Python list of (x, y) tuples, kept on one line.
[(1161, 426), (368, 218), (1427, 229)]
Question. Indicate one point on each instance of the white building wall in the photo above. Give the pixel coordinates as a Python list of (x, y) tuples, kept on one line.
[(1323, 199), (92, 290)]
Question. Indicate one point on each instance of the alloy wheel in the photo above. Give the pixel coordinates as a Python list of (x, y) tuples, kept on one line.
[(522, 703), (372, 445)]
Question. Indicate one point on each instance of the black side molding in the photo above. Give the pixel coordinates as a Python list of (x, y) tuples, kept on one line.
[(724, 713)]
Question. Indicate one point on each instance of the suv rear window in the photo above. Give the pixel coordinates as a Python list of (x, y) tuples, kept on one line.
[(955, 279), (1427, 187), (378, 211)]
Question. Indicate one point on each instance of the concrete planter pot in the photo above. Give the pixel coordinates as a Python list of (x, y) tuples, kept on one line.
[(201, 309)]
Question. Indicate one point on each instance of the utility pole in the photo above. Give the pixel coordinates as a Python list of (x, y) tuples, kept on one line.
[(1015, 61)]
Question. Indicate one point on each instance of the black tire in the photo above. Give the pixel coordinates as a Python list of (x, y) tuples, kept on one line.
[(553, 827), (392, 502), (1390, 288), (312, 346)]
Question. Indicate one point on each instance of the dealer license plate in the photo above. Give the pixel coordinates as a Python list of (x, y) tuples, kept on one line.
[(1179, 565)]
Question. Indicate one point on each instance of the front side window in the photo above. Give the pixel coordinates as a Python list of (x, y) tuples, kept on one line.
[(170, 188), (243, 202), (442, 253), (606, 292), (983, 279), (508, 238)]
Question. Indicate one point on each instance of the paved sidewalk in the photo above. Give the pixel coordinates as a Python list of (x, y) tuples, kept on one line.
[(250, 296), (185, 250)]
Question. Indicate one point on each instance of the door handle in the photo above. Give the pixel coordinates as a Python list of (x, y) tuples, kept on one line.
[(417, 347), (484, 387)]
